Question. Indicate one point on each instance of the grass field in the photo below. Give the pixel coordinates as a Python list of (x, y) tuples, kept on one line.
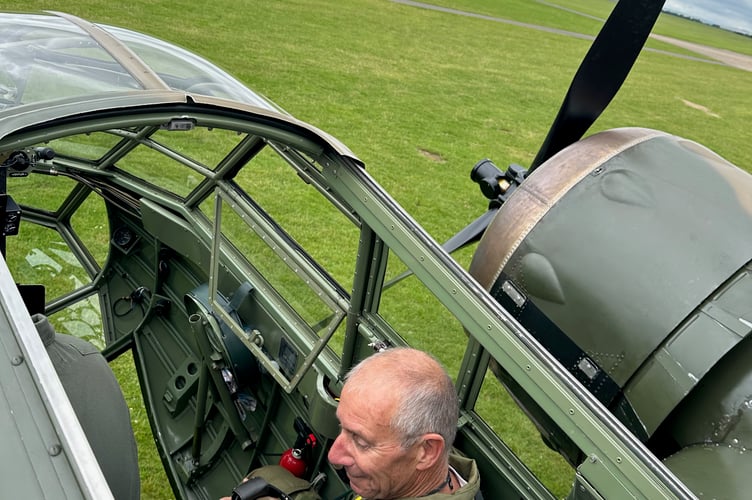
[(421, 95)]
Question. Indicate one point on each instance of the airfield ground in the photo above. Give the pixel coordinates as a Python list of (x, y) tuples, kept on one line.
[(727, 57), (734, 59)]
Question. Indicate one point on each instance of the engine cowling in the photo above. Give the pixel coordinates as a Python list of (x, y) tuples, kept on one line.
[(627, 255)]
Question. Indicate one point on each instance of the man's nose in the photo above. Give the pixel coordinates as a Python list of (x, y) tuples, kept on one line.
[(338, 454)]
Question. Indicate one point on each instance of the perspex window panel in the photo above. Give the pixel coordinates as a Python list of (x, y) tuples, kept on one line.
[(89, 222), (90, 147), (285, 187), (278, 268), (40, 191), (499, 410), (40, 256)]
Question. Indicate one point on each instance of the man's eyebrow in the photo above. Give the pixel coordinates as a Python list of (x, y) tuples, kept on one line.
[(354, 434), (349, 431)]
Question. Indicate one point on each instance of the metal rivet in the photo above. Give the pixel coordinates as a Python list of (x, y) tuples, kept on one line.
[(17, 360)]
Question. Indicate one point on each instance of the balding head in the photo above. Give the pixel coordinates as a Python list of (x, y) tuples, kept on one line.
[(424, 395)]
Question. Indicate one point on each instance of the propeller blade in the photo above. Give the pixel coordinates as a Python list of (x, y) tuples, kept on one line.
[(601, 73), (472, 232)]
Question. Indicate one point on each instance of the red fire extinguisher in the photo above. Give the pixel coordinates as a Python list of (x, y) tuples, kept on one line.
[(296, 458)]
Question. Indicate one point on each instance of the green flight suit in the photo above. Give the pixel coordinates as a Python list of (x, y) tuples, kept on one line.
[(466, 468)]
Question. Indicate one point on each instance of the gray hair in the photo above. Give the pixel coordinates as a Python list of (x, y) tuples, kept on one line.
[(428, 397)]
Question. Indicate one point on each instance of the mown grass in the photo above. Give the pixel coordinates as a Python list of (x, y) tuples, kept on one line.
[(421, 95)]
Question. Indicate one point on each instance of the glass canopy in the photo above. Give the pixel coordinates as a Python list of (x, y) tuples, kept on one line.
[(49, 57)]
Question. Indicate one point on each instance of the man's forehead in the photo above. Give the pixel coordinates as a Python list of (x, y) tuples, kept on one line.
[(362, 401)]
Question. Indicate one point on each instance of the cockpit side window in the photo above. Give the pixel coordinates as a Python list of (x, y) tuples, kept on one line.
[(293, 264)]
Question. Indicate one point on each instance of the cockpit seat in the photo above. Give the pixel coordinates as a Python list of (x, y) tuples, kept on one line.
[(99, 405)]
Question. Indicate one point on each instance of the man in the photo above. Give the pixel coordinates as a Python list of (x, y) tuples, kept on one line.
[(398, 414)]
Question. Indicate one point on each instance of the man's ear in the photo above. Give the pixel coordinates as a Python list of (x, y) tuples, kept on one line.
[(431, 451)]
